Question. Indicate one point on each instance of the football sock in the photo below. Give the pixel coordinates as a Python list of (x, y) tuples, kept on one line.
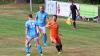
[(45, 38), (27, 49), (59, 47), (74, 24), (40, 49)]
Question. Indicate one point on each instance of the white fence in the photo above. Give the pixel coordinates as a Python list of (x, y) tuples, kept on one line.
[(58, 8)]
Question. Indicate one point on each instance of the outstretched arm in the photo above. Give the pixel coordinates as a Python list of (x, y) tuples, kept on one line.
[(47, 18), (26, 30), (70, 12), (48, 25), (78, 13)]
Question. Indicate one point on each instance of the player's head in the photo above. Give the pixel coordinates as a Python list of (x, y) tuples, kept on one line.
[(54, 17), (72, 1), (41, 8), (30, 16)]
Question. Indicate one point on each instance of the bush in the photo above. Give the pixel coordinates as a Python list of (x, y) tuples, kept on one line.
[(38, 1), (85, 1)]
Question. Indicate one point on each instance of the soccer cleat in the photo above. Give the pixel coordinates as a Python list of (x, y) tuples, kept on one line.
[(59, 53), (41, 54), (30, 45), (74, 28), (45, 44), (28, 55)]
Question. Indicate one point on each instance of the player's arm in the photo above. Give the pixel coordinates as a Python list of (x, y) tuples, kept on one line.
[(78, 13), (47, 25), (47, 18), (36, 17), (70, 12), (26, 30)]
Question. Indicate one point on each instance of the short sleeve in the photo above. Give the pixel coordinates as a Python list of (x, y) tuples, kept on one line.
[(46, 15), (49, 24), (75, 7), (36, 23), (36, 15)]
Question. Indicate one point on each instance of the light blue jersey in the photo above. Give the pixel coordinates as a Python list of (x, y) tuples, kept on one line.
[(31, 26), (41, 18)]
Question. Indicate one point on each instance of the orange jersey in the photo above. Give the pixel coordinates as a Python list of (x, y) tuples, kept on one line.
[(54, 28)]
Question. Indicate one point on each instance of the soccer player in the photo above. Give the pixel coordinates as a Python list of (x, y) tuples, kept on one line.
[(74, 12), (42, 18), (54, 33), (31, 33)]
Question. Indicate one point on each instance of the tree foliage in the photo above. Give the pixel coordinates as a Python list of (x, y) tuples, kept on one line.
[(85, 1), (42, 1)]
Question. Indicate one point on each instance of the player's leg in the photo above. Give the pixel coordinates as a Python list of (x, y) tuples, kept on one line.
[(43, 29), (39, 46), (58, 45), (52, 40), (27, 46), (45, 39), (39, 31), (59, 48), (74, 21)]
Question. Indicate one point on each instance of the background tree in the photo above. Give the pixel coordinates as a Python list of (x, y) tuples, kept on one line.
[(20, 1)]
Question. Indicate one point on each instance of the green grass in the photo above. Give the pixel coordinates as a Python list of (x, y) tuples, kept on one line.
[(83, 42), (88, 10)]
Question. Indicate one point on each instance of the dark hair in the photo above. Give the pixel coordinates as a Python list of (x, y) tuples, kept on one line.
[(55, 16), (30, 15), (42, 6), (72, 1)]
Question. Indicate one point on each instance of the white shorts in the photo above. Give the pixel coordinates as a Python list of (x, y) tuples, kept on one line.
[(42, 29), (30, 38)]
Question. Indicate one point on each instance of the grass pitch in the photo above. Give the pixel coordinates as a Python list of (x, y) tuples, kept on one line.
[(83, 42)]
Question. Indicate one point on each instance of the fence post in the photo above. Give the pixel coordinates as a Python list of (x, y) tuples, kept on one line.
[(99, 13), (30, 6)]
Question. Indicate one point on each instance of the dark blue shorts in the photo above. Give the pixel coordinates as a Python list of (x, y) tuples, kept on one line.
[(74, 17)]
